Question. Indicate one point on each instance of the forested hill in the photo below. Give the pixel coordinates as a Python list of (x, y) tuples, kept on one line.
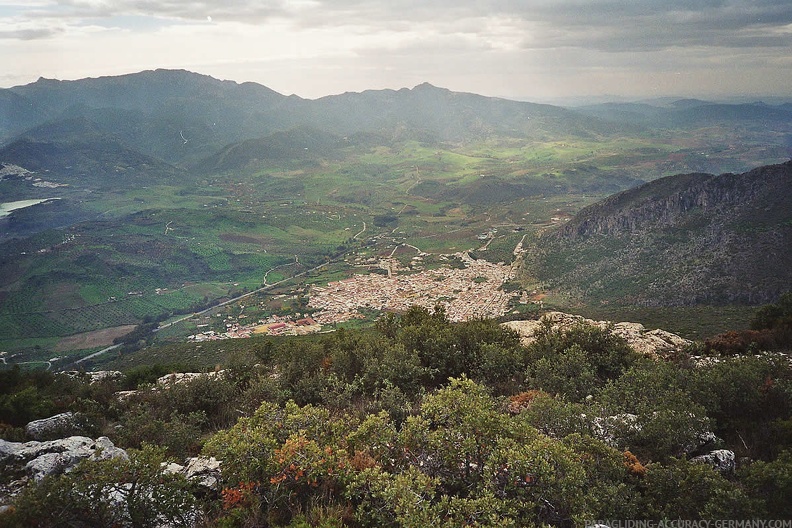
[(679, 240)]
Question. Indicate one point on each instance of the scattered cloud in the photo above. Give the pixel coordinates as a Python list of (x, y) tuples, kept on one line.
[(28, 33)]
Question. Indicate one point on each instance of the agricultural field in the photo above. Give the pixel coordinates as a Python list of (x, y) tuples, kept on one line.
[(122, 255)]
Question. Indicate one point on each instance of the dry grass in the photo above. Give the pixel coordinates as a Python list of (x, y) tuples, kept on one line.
[(94, 339)]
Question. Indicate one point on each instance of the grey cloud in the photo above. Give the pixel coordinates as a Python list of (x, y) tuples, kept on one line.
[(723, 13), (643, 26), (605, 25), (642, 37), (239, 10), (729, 14), (29, 33)]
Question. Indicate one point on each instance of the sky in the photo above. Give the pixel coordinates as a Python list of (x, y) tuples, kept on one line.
[(539, 50)]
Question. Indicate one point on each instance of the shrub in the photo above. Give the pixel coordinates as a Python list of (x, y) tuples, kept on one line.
[(135, 492)]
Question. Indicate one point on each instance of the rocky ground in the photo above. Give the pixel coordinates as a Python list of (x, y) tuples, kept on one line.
[(652, 343), (32, 461)]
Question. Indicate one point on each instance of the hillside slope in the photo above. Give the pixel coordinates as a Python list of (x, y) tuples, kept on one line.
[(680, 240), (77, 152)]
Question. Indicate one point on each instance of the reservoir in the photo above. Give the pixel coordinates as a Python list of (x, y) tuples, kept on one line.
[(6, 208)]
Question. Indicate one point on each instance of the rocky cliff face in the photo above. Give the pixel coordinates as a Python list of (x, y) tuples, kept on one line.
[(669, 200), (682, 240)]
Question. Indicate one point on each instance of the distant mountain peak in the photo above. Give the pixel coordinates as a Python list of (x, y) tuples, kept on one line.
[(425, 86), (46, 81)]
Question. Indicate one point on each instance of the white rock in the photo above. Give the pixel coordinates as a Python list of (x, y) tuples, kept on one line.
[(30, 450), (104, 449), (609, 428), (185, 377), (206, 471), (95, 377), (57, 426), (652, 343), (40, 459), (721, 460), (48, 464), (172, 468), (8, 450), (101, 375), (124, 396)]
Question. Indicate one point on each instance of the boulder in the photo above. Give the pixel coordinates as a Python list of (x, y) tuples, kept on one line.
[(102, 375), (178, 378), (704, 442), (58, 426), (615, 430), (721, 460), (205, 470), (104, 449), (40, 459), (8, 451), (95, 377), (125, 396), (610, 429), (172, 467), (201, 470), (13, 453), (52, 464)]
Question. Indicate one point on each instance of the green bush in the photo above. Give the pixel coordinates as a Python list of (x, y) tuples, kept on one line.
[(114, 492)]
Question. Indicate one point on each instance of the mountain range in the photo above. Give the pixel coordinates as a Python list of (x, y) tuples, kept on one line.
[(182, 117)]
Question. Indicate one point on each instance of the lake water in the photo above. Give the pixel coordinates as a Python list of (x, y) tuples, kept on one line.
[(6, 208)]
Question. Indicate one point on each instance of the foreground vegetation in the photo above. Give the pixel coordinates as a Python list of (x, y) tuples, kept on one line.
[(422, 422)]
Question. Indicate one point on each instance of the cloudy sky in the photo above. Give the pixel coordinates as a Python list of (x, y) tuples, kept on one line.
[(525, 49)]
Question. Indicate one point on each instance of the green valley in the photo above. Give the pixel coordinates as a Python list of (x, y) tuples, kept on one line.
[(167, 210)]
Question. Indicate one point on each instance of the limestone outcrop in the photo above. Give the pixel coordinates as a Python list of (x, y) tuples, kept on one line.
[(652, 343), (179, 378), (721, 460), (95, 376), (25, 462), (58, 426), (693, 239), (40, 459), (201, 470)]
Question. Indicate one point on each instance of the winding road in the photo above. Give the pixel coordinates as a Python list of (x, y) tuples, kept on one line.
[(360, 232)]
